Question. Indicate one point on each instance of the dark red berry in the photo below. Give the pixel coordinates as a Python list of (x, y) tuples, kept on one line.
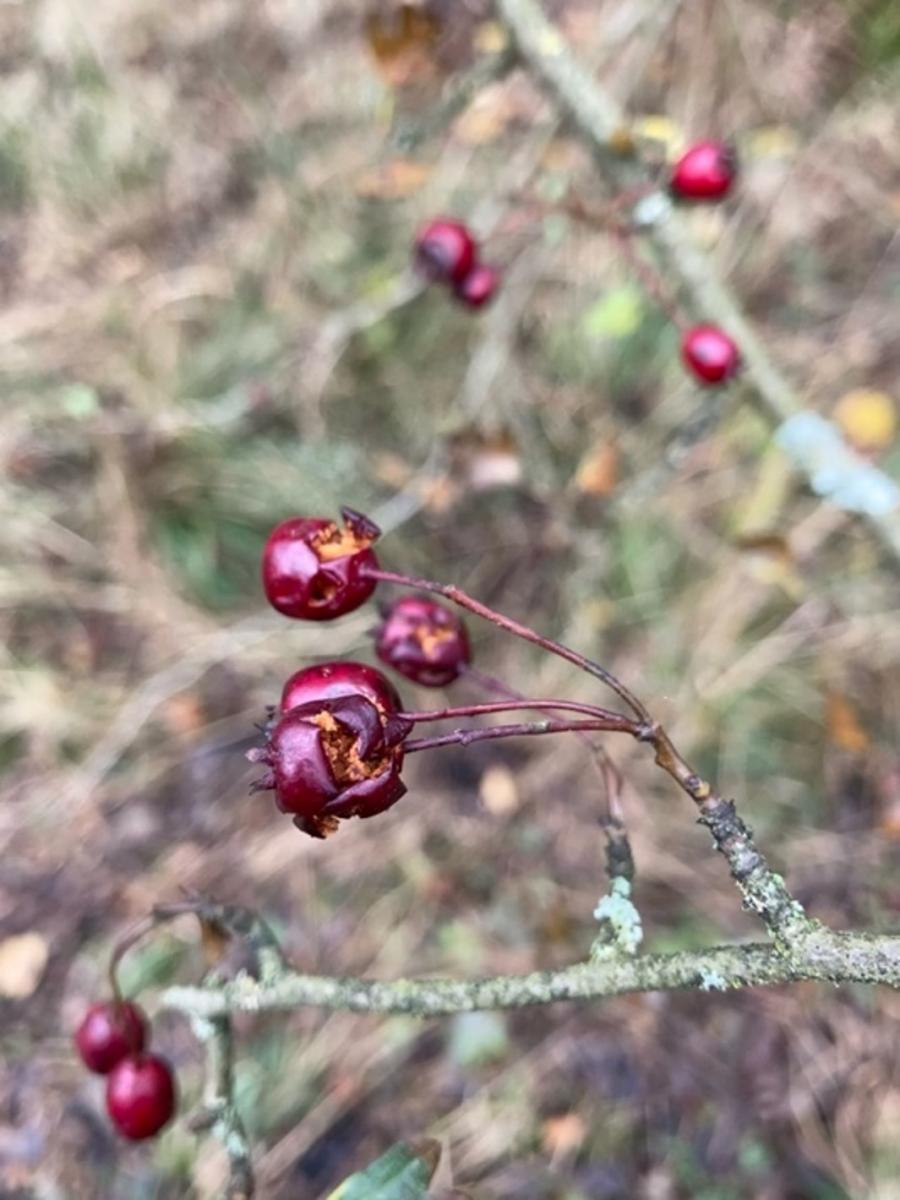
[(110, 1031), (334, 758), (445, 251), (710, 354), (140, 1095), (315, 570), (706, 171), (423, 640), (478, 287), (329, 680)]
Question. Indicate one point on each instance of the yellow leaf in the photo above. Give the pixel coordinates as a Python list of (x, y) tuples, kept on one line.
[(490, 38), (598, 472), (214, 942), (621, 140), (403, 42), (394, 180), (867, 418), (22, 962), (771, 141), (843, 726), (658, 128), (768, 559)]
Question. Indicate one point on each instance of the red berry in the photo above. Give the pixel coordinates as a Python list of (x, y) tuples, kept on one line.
[(328, 680), (706, 171), (478, 287), (140, 1095), (334, 758), (445, 251), (710, 354), (315, 570), (423, 640), (110, 1031)]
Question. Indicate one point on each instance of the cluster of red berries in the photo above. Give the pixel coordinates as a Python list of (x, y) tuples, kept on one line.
[(140, 1087), (707, 171), (335, 746), (446, 252)]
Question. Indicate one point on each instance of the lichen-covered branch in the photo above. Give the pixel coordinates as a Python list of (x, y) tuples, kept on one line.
[(596, 117), (820, 953), (219, 1114), (762, 889)]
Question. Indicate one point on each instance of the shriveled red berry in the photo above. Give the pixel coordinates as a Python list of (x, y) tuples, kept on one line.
[(710, 354), (706, 171), (314, 569), (478, 287), (110, 1031), (445, 251), (423, 640), (326, 681), (140, 1095), (332, 759)]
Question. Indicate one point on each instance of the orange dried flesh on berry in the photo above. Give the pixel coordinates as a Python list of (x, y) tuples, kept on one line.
[(340, 745)]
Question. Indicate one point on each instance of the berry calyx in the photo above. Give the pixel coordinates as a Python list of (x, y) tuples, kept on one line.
[(333, 759), (478, 287), (423, 640), (706, 171), (140, 1096), (313, 569), (326, 681), (445, 251), (108, 1033), (710, 354)]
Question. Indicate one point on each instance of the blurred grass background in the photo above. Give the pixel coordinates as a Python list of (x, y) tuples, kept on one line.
[(208, 325)]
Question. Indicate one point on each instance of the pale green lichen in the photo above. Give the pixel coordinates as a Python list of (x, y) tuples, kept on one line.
[(712, 981), (621, 928)]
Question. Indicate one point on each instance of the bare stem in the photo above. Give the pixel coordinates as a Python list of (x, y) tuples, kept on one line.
[(458, 596), (467, 737), (649, 277), (479, 710)]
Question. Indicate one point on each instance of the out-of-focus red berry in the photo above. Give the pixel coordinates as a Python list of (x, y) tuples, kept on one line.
[(140, 1095), (109, 1031), (445, 250), (706, 171), (710, 354)]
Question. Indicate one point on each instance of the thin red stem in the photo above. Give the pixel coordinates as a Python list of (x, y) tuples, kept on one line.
[(623, 233), (651, 281), (458, 596), (466, 737), (599, 757), (160, 914), (479, 710)]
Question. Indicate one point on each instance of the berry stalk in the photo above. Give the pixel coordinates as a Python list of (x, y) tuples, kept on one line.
[(500, 706), (466, 737), (458, 596)]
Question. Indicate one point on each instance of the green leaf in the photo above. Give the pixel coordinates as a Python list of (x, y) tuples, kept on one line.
[(404, 1173), (617, 314)]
